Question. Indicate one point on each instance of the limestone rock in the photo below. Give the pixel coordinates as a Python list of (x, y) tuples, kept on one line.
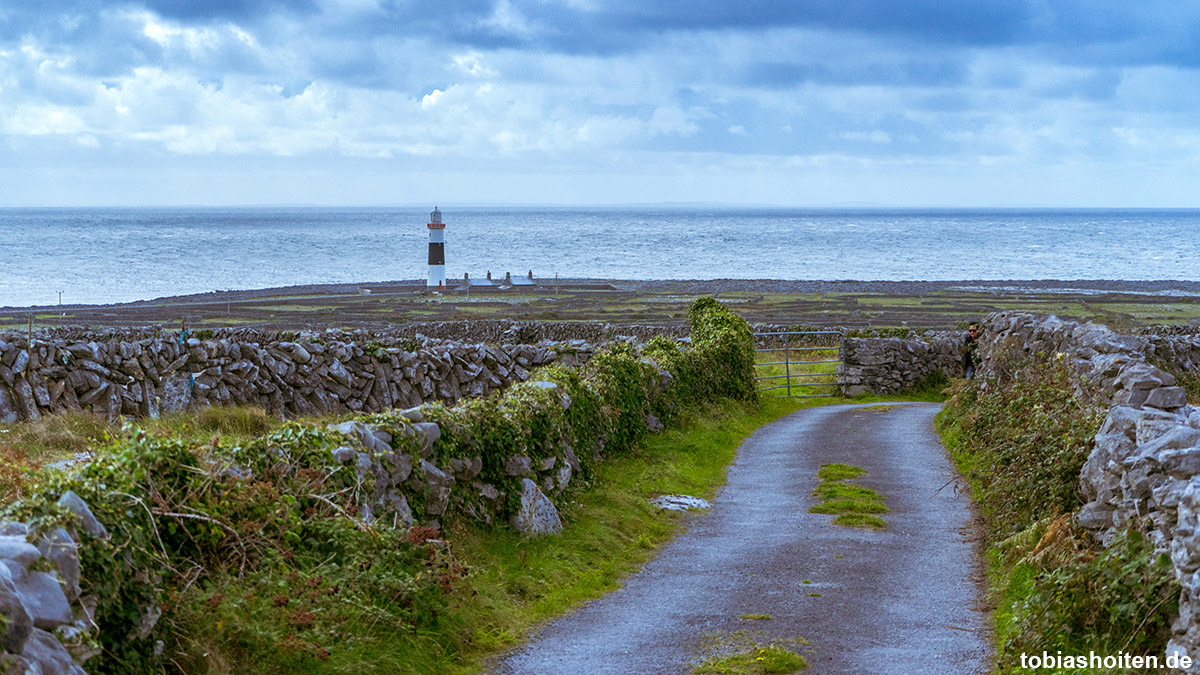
[(42, 596), (75, 504), (17, 623), (680, 502), (537, 515), (1095, 516), (1167, 398), (59, 548), (518, 465), (428, 433), (437, 489), (15, 547), (49, 654)]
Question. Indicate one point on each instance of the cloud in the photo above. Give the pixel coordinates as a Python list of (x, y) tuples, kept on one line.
[(580, 84), (876, 136)]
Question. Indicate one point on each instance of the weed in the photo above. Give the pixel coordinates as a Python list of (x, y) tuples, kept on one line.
[(853, 504), (861, 521), (839, 472), (1021, 444), (755, 617), (1120, 598), (768, 659), (743, 652), (54, 437)]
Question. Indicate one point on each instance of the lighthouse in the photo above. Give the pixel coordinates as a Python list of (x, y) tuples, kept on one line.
[(437, 250)]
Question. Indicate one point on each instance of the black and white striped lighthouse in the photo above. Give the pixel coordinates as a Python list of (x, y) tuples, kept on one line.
[(437, 250)]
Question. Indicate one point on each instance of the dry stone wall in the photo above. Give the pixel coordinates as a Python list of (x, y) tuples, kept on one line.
[(1144, 471), (510, 456), (891, 365), (40, 596), (288, 375)]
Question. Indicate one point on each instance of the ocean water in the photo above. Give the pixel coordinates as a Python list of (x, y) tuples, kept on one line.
[(119, 255)]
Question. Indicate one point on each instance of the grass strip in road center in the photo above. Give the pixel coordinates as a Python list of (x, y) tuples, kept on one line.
[(854, 505), (612, 529)]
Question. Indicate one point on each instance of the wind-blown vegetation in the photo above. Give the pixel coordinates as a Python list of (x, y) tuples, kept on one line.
[(247, 540), (1021, 444)]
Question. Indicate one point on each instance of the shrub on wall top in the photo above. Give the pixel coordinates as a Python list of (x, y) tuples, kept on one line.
[(286, 502)]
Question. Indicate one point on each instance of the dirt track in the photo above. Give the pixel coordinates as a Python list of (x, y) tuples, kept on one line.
[(901, 601)]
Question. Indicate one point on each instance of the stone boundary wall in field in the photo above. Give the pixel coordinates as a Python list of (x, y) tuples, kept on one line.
[(892, 365), (1144, 470), (490, 331), (1179, 353), (307, 374)]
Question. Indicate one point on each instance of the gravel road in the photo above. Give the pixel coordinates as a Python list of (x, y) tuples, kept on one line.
[(906, 600)]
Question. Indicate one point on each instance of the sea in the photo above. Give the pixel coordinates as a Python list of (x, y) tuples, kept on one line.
[(111, 255)]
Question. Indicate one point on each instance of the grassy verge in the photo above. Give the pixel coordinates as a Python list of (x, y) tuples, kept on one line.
[(371, 612), (1052, 585)]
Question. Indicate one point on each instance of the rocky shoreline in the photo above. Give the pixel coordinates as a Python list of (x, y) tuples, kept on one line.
[(700, 287)]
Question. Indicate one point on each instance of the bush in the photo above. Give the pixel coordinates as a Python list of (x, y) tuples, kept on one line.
[(1120, 598), (1022, 442), (270, 527), (1022, 445)]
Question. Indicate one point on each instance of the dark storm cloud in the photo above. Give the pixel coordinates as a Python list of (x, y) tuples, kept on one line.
[(949, 81), (1102, 32), (226, 10), (901, 72)]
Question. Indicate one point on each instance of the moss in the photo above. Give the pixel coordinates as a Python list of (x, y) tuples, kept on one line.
[(764, 659), (843, 506), (853, 504), (861, 520), (836, 472)]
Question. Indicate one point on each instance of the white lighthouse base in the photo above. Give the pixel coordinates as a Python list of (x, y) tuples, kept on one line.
[(437, 276)]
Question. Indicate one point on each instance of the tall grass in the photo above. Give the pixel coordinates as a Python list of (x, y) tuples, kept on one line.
[(28, 446)]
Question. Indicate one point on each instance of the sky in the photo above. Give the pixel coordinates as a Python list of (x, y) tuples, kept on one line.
[(802, 103)]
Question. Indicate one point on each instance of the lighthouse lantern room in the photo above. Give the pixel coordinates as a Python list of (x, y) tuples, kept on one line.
[(437, 250)]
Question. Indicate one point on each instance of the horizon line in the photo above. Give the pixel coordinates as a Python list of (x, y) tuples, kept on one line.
[(608, 205)]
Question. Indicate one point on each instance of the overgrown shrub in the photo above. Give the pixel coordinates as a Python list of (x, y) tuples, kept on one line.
[(1021, 442), (724, 338), (1022, 445), (269, 527), (1122, 597)]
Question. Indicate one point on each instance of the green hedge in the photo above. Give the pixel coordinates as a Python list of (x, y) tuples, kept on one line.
[(275, 517)]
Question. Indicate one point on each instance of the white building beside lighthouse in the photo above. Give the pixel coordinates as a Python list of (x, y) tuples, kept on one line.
[(437, 250)]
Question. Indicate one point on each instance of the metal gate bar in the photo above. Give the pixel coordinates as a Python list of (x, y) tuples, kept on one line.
[(787, 363)]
